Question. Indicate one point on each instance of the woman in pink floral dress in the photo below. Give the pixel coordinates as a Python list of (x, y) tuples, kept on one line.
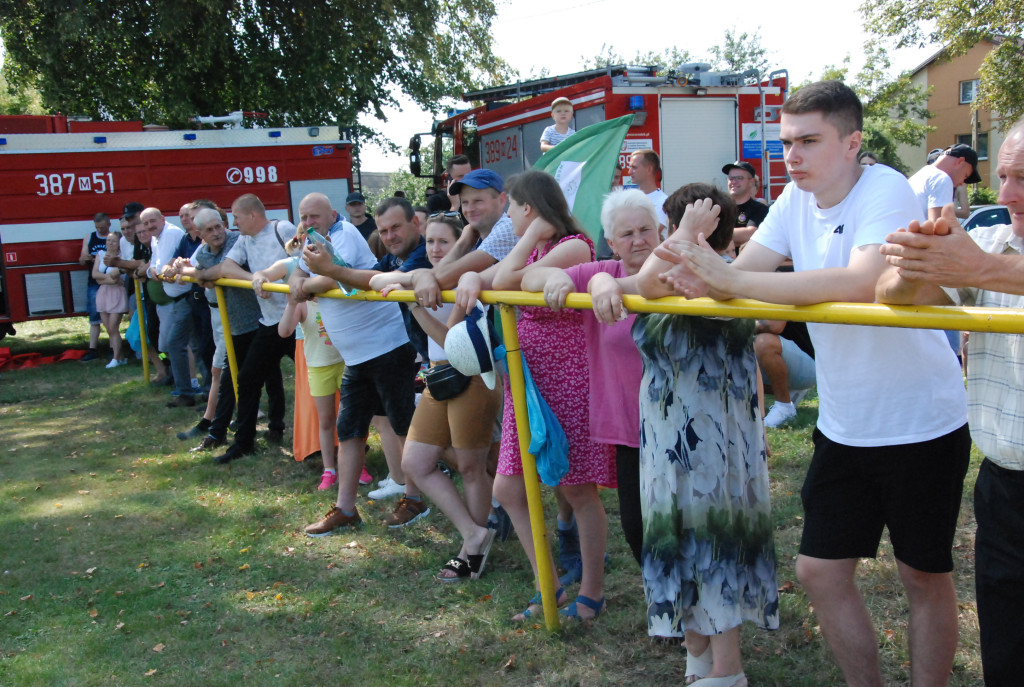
[(554, 347)]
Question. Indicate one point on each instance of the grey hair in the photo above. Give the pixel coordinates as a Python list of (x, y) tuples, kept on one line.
[(205, 217), (624, 199)]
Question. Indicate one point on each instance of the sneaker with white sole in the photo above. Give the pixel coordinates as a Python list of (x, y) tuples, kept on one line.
[(365, 478), (333, 521), (779, 414), (406, 512), (387, 490), (327, 480)]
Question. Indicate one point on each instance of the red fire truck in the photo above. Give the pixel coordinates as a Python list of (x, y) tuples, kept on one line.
[(696, 119), (56, 173)]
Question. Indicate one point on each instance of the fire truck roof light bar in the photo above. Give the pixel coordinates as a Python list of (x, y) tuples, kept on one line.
[(99, 139), (189, 137), (274, 134)]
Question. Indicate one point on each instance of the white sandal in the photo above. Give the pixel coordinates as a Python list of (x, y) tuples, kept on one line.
[(728, 681), (698, 666)]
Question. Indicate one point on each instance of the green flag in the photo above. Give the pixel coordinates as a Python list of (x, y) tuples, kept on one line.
[(584, 165)]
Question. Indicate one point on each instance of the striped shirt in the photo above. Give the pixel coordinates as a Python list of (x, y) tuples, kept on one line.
[(552, 136), (995, 370)]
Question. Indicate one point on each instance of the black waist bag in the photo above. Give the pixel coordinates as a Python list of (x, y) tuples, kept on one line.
[(445, 382)]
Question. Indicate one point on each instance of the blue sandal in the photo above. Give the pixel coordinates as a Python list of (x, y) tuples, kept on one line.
[(536, 600), (572, 611)]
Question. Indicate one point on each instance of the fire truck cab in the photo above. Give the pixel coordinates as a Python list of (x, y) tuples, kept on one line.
[(57, 173), (697, 120)]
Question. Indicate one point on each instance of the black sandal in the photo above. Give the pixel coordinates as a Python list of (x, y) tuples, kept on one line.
[(456, 565), (477, 562)]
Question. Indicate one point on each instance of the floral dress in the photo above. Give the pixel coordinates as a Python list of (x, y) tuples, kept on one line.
[(556, 351), (708, 552)]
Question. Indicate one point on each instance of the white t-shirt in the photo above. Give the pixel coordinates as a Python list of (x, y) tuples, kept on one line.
[(877, 386), (163, 247), (127, 249), (933, 188), (259, 252), (359, 330), (658, 197)]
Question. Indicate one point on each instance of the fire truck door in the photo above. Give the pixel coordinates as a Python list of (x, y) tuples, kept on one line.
[(698, 136), (335, 189)]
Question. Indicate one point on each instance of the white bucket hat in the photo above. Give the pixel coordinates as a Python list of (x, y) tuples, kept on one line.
[(468, 347)]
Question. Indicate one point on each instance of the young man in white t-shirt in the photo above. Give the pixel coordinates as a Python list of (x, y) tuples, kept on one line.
[(891, 445)]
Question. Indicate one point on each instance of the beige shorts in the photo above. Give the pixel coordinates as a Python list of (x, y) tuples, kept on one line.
[(463, 422), (326, 380)]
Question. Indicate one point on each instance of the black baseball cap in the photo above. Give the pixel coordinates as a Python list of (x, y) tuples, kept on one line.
[(355, 197), (132, 209), (740, 164), (962, 150)]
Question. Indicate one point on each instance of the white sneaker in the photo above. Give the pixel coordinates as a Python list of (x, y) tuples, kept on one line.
[(779, 414), (393, 488), (386, 481), (114, 363)]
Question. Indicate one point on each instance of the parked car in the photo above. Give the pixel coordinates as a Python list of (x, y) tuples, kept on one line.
[(986, 216)]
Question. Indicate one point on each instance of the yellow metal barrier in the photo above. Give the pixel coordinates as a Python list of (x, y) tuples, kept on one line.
[(541, 546), (1003, 320), (229, 342), (139, 308)]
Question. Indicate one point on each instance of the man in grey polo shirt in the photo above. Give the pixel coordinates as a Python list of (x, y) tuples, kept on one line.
[(261, 245)]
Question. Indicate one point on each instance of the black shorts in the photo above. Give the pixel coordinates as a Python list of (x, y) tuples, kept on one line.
[(852, 492), (379, 386)]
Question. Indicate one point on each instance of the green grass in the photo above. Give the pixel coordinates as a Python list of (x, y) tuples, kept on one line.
[(121, 553)]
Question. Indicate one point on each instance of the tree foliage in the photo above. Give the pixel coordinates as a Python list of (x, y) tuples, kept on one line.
[(303, 62), (736, 53), (19, 101), (959, 25), (670, 58), (894, 108)]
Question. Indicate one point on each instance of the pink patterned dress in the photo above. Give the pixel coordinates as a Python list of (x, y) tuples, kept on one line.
[(554, 348)]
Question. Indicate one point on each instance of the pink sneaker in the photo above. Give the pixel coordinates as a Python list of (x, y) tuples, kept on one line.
[(365, 478), (327, 480)]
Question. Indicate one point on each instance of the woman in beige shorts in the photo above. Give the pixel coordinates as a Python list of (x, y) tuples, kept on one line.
[(464, 422)]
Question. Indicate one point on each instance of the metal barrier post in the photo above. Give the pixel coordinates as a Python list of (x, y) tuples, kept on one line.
[(229, 344), (141, 310), (542, 547)]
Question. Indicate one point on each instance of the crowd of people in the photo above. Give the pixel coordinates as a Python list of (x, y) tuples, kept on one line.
[(666, 409)]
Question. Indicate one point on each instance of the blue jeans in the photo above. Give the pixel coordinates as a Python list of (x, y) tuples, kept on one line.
[(90, 302)]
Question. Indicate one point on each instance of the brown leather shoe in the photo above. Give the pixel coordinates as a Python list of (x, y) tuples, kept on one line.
[(334, 520), (407, 511)]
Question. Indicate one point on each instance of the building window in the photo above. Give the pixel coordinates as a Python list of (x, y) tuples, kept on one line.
[(968, 91), (982, 149)]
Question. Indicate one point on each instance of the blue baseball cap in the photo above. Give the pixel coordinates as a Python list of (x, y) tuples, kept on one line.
[(480, 179)]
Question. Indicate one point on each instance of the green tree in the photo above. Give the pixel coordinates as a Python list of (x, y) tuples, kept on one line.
[(19, 101), (738, 53), (303, 62), (670, 58), (959, 25), (892, 106), (400, 180)]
